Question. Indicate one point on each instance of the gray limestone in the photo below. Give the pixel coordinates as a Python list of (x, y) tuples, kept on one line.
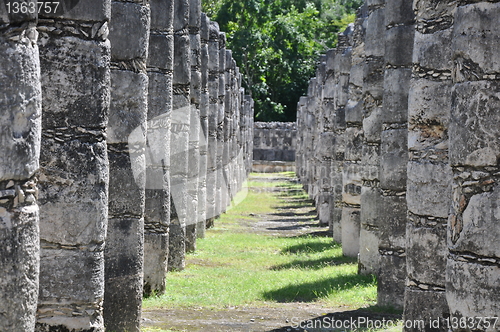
[(73, 192), (220, 206), (429, 173), (213, 91), (194, 125), (126, 141), (393, 153), (158, 197), (179, 140), (20, 134), (473, 255), (203, 138)]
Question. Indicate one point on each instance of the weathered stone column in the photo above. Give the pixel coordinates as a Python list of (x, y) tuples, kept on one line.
[(213, 90), (195, 125), (126, 138), (392, 207), (429, 174), (324, 148), (158, 197), (300, 161), (181, 114), (250, 116), (311, 139), (473, 255), (75, 67), (204, 109), (349, 229), (221, 183), (226, 171), (20, 130), (340, 65)]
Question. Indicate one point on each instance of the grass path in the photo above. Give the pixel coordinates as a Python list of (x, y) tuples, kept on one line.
[(266, 264)]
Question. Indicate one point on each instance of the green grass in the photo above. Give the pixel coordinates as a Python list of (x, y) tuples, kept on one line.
[(235, 266)]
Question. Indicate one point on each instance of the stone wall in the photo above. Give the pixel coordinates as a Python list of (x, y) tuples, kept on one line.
[(417, 146), (274, 141), (274, 146), (111, 176)]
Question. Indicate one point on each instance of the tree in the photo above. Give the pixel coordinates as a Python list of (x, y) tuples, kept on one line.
[(276, 44)]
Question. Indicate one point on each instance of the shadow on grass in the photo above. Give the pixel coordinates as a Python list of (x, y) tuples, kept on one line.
[(312, 291), (311, 246), (315, 264), (364, 319)]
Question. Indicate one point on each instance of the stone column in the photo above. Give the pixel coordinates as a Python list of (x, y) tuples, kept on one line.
[(300, 161), (399, 34), (340, 64), (20, 130), (204, 109), (213, 90), (324, 151), (349, 229), (181, 114), (228, 127), (312, 140), (250, 116), (221, 182), (194, 126), (473, 254), (74, 61), (429, 174), (158, 198), (126, 138)]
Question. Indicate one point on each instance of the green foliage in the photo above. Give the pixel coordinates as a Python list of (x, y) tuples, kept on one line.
[(276, 44)]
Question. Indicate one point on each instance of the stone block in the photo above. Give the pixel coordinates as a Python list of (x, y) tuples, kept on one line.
[(476, 36), (160, 54), (474, 126), (392, 211), (429, 105), (354, 142), (396, 88), (428, 50), (124, 273), (398, 12), (20, 122), (370, 161), (399, 45), (471, 291), (155, 266), (372, 125), (351, 180), (129, 31), (393, 159), (427, 308), (391, 281), (350, 231), (478, 233), (162, 15), (76, 201), (369, 230), (182, 68), (426, 252), (128, 92), (375, 30), (78, 108), (429, 189)]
